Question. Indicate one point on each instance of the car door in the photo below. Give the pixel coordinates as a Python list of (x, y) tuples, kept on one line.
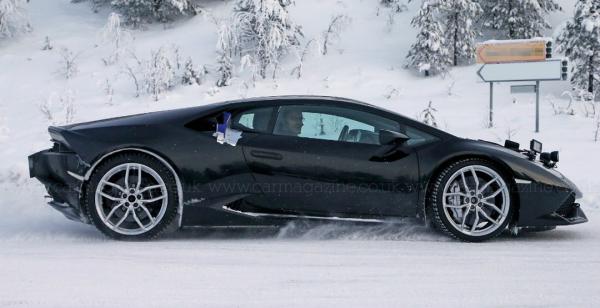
[(325, 166)]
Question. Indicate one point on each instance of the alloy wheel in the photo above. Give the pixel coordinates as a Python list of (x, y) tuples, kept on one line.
[(476, 200), (131, 198)]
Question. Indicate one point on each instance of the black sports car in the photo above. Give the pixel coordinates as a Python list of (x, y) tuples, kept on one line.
[(266, 161)]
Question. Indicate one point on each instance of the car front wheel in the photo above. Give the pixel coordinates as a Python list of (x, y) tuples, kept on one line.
[(470, 200)]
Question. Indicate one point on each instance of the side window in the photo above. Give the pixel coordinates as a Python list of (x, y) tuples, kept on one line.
[(331, 123), (253, 119)]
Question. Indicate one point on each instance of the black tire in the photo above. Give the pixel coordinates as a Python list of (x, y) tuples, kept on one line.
[(169, 215), (436, 210)]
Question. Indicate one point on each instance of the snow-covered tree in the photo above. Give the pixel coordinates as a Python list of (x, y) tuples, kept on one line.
[(159, 73), (580, 41), (429, 54), (138, 12), (397, 6), (13, 18), (225, 51), (191, 74), (459, 16), (69, 67), (332, 33), (262, 30), (518, 19), (115, 36)]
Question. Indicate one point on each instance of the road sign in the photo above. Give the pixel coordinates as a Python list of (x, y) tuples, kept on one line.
[(523, 88), (521, 71), (511, 51)]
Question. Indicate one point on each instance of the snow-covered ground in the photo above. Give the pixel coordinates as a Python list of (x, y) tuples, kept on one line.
[(46, 260)]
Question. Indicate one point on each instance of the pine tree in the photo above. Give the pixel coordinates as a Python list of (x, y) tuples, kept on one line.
[(191, 74), (138, 12), (225, 46), (580, 41), (459, 16), (263, 30), (518, 19), (13, 18), (429, 53)]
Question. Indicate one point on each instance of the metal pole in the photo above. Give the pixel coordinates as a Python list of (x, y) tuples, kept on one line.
[(537, 106), (491, 124)]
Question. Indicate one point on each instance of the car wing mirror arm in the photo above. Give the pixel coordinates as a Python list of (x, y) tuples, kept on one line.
[(392, 146)]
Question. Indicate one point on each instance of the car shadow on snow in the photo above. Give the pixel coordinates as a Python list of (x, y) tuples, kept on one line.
[(403, 230)]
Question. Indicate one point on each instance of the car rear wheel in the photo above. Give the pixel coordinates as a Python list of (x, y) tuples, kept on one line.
[(131, 196), (470, 200)]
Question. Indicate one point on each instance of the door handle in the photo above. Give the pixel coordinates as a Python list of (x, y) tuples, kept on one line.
[(266, 155)]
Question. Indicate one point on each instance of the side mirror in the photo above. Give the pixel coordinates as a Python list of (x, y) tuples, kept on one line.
[(390, 137)]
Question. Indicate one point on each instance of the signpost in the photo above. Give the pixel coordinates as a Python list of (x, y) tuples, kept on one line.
[(521, 71), (519, 60), (523, 88), (511, 51)]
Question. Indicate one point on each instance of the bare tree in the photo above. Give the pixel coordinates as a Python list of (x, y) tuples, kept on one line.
[(114, 35), (68, 62), (59, 104), (298, 70), (129, 71), (335, 28), (597, 132), (47, 44), (428, 115)]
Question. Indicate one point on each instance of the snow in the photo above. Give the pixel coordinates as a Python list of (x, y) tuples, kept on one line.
[(47, 260), (531, 40)]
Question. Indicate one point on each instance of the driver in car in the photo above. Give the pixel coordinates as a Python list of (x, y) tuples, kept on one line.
[(291, 124)]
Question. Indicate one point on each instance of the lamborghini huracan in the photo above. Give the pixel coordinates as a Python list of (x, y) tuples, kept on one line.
[(267, 161)]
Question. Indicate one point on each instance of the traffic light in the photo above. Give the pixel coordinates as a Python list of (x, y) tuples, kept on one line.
[(548, 49), (565, 69)]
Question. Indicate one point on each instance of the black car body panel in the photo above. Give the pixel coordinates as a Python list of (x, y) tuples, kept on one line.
[(253, 183)]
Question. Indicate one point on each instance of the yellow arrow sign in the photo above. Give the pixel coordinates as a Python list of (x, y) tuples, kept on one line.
[(511, 51)]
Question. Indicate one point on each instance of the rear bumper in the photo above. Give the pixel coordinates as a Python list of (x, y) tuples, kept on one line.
[(59, 172)]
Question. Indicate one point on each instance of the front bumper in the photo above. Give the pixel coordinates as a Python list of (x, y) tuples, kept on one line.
[(59, 171), (544, 205)]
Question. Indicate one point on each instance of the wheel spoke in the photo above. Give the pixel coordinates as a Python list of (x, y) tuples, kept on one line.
[(137, 220), (149, 188), (153, 199), (464, 220), (139, 179), (455, 194), (456, 206), (497, 192), (147, 212), (464, 180), (114, 209), (475, 178), (114, 185), (122, 218), (493, 206), (105, 195), (476, 222), (486, 216), (486, 185), (127, 176)]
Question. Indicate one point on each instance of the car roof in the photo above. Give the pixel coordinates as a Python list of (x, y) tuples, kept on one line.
[(295, 98)]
